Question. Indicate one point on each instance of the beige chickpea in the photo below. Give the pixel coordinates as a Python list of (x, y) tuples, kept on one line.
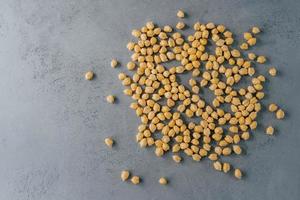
[(110, 99), (226, 167), (217, 165), (135, 180), (176, 158), (89, 75), (261, 59), (247, 36), (280, 114), (269, 130), (125, 175), (167, 29), (180, 14), (196, 157), (113, 63), (251, 41), (130, 65), (238, 173), (272, 107), (272, 71), (159, 151), (163, 181), (109, 142), (237, 149), (180, 25), (255, 30)]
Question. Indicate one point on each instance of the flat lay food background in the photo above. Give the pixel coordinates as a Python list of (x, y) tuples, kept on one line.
[(53, 122)]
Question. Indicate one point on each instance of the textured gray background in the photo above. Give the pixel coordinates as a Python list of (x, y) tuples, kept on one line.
[(53, 122)]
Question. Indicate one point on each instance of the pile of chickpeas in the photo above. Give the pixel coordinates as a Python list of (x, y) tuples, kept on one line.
[(175, 117)]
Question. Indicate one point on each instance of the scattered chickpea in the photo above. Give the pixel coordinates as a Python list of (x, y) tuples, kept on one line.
[(251, 56), (180, 14), (177, 158), (163, 181), (109, 142), (237, 149), (110, 99), (247, 36), (180, 25), (130, 66), (273, 107), (272, 71), (218, 165), (238, 173), (251, 41), (261, 59), (255, 30), (226, 167), (244, 46), (89, 75), (280, 114), (269, 130), (125, 175), (113, 63), (135, 180)]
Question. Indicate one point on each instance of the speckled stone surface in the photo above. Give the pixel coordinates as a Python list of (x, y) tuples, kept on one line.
[(53, 122)]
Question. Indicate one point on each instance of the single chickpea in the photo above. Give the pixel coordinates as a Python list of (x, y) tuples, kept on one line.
[(237, 149), (110, 99), (269, 130), (130, 65), (272, 71), (247, 36), (273, 107), (89, 75), (218, 165), (176, 158), (238, 173), (251, 41), (255, 30), (163, 181), (180, 25), (113, 63), (261, 59), (280, 114), (180, 14), (226, 167), (244, 46), (135, 180), (109, 142), (125, 175)]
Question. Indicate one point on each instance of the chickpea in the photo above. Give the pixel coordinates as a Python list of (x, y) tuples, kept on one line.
[(176, 158), (272, 71), (255, 30), (261, 59), (269, 130), (109, 142), (273, 107), (113, 63), (180, 25), (180, 14), (238, 173), (218, 166), (110, 99), (163, 181), (226, 167), (280, 114), (125, 175), (89, 75), (135, 180)]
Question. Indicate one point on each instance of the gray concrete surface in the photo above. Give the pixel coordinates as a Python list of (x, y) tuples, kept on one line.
[(53, 122)]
